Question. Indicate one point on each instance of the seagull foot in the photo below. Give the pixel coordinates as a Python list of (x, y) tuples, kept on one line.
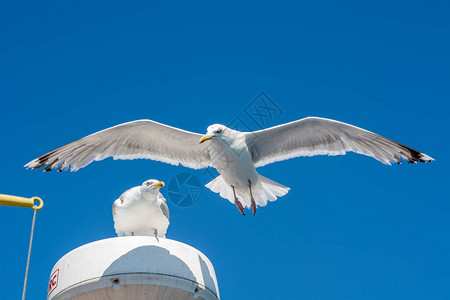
[(254, 207), (237, 202), (239, 206)]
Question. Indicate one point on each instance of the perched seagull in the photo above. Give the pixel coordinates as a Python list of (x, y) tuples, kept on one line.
[(234, 154), (142, 210)]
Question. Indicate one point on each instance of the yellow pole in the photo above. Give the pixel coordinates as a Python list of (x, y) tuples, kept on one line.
[(24, 202), (20, 201)]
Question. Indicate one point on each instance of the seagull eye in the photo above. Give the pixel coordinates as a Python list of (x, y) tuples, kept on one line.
[(218, 130)]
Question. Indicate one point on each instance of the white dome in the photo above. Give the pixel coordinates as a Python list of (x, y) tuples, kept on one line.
[(133, 267)]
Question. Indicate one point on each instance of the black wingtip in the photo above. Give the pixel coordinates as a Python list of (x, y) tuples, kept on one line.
[(413, 156)]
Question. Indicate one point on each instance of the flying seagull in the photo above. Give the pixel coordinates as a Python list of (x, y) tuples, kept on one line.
[(142, 210), (234, 154)]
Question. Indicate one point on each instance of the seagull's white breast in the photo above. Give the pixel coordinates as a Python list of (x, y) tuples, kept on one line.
[(231, 158)]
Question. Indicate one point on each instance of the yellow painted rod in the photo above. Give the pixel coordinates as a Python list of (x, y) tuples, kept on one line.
[(20, 201)]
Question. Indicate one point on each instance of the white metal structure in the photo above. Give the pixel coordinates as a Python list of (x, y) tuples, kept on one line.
[(134, 267)]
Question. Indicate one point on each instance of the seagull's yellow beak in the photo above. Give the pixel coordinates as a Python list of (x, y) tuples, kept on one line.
[(160, 184), (205, 138)]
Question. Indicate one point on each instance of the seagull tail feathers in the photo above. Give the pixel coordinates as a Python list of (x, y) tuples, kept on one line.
[(263, 191), (218, 185), (270, 191)]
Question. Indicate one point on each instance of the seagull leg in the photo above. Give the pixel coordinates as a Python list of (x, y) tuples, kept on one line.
[(254, 206), (156, 234), (237, 202)]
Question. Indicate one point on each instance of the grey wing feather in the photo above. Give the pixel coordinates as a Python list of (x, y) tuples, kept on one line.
[(163, 206), (138, 139), (318, 136)]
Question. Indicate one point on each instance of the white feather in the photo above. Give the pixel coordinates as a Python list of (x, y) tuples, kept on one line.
[(263, 190)]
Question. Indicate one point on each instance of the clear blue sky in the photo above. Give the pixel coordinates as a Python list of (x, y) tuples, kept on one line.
[(350, 228)]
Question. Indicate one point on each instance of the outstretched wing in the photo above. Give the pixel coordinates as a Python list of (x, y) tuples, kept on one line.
[(318, 136), (138, 139)]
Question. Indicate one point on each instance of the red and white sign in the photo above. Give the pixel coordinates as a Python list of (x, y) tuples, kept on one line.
[(53, 283)]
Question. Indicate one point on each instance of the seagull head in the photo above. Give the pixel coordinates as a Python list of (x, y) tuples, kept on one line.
[(152, 185), (214, 131)]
